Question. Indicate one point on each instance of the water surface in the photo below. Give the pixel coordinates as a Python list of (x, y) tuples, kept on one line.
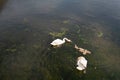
[(25, 36)]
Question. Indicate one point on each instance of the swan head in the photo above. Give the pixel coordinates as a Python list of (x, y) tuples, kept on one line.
[(67, 40)]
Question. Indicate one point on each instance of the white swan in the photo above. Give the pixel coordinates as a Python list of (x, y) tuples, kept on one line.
[(81, 63), (59, 42)]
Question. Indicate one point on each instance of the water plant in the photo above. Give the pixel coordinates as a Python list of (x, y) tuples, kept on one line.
[(77, 27), (100, 34), (66, 21), (59, 34), (26, 30), (11, 50), (36, 46)]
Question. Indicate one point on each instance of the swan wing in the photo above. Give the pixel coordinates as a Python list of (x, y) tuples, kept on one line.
[(80, 68), (82, 63)]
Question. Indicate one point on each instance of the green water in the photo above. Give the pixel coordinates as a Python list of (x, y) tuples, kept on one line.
[(28, 27)]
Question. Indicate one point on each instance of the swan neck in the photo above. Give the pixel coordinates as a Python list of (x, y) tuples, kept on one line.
[(64, 39)]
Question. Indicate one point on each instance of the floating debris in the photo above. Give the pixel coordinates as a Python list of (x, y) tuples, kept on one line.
[(81, 63), (83, 51), (59, 42)]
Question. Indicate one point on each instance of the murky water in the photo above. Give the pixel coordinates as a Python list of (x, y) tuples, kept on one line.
[(27, 27)]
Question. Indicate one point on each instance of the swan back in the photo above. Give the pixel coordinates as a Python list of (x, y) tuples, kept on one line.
[(57, 42), (82, 63)]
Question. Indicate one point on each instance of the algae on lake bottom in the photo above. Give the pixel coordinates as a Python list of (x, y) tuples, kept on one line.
[(59, 34), (100, 34), (66, 21)]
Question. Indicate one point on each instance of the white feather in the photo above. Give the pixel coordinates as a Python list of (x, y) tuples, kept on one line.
[(82, 63), (59, 42)]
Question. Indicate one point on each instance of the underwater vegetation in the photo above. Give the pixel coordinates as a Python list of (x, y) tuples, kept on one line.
[(80, 34), (59, 34), (26, 30), (66, 21), (100, 34), (78, 29), (11, 50)]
